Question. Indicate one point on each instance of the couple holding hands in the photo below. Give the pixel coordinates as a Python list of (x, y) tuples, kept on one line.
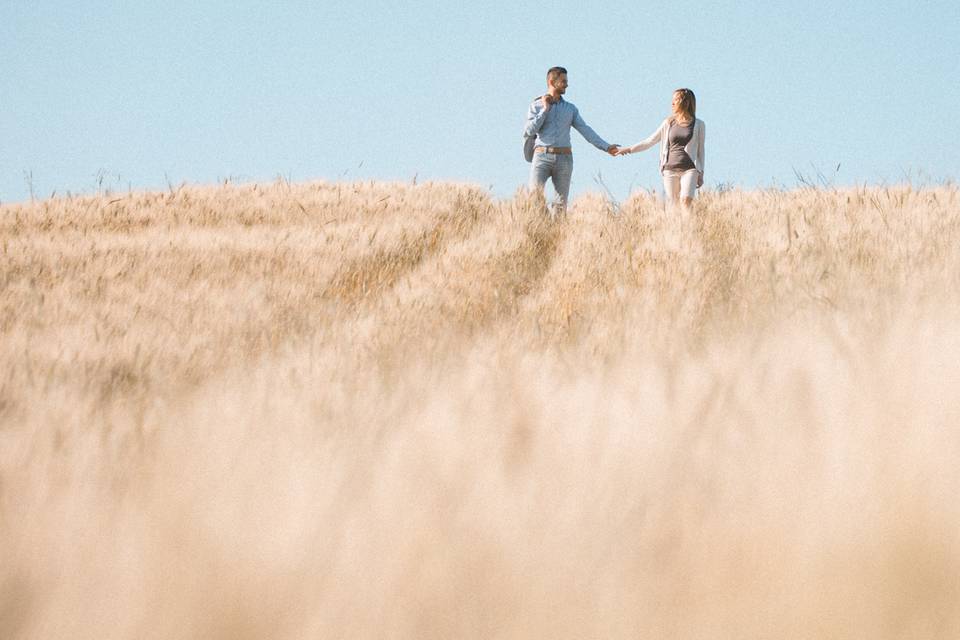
[(546, 138)]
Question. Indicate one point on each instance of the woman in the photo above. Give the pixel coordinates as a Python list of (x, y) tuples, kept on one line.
[(681, 149)]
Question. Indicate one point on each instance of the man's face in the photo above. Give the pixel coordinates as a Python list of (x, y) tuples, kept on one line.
[(560, 83)]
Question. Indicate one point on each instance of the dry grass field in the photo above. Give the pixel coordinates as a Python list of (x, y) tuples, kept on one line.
[(379, 410)]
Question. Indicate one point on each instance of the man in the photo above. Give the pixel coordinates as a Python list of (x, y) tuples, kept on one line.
[(548, 130)]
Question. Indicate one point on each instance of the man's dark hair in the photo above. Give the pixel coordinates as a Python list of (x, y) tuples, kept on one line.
[(553, 72)]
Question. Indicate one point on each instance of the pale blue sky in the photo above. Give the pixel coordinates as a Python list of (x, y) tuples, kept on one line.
[(200, 91)]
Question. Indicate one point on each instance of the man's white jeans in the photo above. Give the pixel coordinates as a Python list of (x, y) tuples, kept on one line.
[(680, 184), (556, 166)]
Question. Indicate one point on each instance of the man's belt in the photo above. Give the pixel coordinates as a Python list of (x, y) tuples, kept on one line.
[(561, 150)]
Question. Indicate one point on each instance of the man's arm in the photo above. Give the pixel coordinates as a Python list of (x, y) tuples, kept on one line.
[(536, 116), (591, 136)]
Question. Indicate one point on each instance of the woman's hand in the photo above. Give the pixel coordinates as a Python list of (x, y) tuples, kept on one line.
[(622, 151)]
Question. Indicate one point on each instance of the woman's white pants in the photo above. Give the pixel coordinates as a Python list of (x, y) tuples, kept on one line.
[(679, 184)]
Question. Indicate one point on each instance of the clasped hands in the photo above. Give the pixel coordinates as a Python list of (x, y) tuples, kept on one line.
[(617, 150)]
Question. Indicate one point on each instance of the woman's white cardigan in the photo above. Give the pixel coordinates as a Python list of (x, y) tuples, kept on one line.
[(694, 148)]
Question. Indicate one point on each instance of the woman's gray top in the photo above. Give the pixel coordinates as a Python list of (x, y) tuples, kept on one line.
[(677, 138)]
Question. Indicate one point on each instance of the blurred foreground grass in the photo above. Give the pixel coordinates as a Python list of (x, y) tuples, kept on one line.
[(382, 410)]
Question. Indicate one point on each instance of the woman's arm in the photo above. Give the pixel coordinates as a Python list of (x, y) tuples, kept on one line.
[(700, 153), (644, 144)]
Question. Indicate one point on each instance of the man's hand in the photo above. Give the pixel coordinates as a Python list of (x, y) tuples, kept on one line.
[(613, 149), (547, 101)]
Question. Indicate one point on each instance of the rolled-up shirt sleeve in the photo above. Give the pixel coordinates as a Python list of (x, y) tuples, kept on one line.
[(589, 134), (536, 116)]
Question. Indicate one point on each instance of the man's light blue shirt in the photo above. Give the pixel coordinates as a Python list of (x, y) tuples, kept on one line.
[(552, 128)]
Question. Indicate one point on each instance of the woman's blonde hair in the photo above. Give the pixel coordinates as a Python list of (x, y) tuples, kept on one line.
[(688, 104)]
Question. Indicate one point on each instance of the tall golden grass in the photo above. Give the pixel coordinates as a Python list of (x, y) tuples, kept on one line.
[(384, 410)]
